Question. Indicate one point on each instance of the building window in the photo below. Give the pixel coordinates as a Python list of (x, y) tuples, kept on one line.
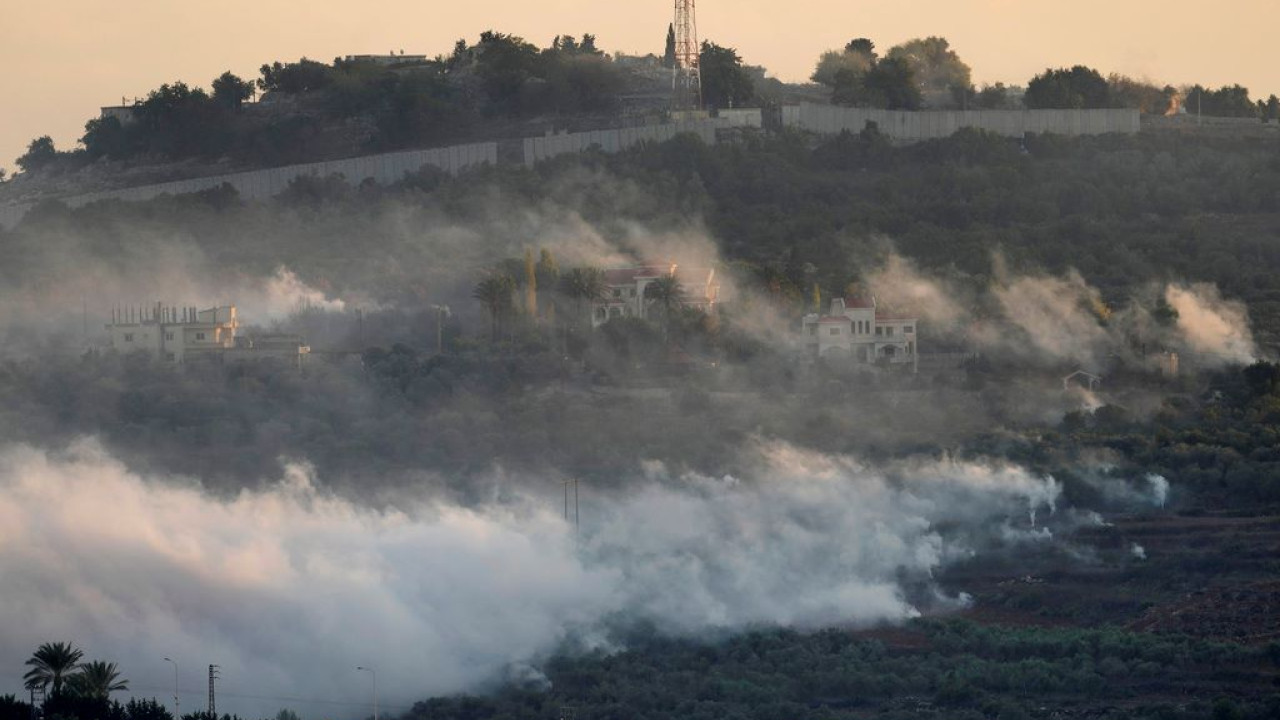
[(617, 292), (128, 337), (879, 331), (633, 292), (171, 357), (199, 336), (168, 336), (813, 330), (835, 331), (910, 329), (889, 331)]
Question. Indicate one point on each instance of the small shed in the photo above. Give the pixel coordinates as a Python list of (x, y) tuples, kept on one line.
[(1083, 379)]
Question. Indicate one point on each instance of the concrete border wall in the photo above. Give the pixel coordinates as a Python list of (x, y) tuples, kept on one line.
[(741, 117), (908, 126), (392, 167), (262, 184), (537, 149)]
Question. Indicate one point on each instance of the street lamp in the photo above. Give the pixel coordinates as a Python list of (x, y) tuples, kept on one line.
[(177, 713), (374, 674)]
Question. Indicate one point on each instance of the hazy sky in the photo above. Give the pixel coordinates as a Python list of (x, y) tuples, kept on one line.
[(62, 60)]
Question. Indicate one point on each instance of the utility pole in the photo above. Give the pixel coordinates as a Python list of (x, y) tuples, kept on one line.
[(374, 675), (686, 80), (177, 704), (213, 675), (442, 312)]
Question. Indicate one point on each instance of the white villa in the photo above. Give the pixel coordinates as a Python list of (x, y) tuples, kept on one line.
[(855, 328), (182, 335), (624, 290)]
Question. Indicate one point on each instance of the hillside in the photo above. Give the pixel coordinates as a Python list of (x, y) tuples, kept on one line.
[(1072, 509)]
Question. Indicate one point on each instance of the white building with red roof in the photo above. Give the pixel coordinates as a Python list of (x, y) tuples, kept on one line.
[(624, 294), (857, 329)]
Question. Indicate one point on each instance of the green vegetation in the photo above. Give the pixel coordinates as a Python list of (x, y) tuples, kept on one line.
[(859, 77), (76, 690), (1226, 101), (928, 669), (1077, 88), (725, 83)]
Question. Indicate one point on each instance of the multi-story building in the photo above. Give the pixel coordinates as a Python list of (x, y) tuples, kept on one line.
[(625, 291), (187, 334), (858, 330)]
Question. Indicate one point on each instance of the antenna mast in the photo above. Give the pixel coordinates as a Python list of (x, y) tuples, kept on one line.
[(686, 83)]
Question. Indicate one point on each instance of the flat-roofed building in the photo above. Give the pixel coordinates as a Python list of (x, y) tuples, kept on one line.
[(188, 334)]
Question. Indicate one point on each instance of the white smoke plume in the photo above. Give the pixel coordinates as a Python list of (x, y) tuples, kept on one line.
[(1211, 324), (289, 589), (1065, 320), (898, 283), (1053, 315), (285, 293)]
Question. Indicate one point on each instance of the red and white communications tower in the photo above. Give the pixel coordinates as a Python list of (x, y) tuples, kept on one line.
[(686, 86)]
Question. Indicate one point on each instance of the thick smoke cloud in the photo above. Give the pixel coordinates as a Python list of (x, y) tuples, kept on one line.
[(288, 589)]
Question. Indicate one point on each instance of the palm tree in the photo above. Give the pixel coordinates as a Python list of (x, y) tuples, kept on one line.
[(583, 285), (97, 679), (51, 664), (495, 292), (667, 294)]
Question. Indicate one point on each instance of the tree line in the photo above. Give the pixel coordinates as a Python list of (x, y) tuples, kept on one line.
[(927, 72), (500, 77), (504, 77)]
